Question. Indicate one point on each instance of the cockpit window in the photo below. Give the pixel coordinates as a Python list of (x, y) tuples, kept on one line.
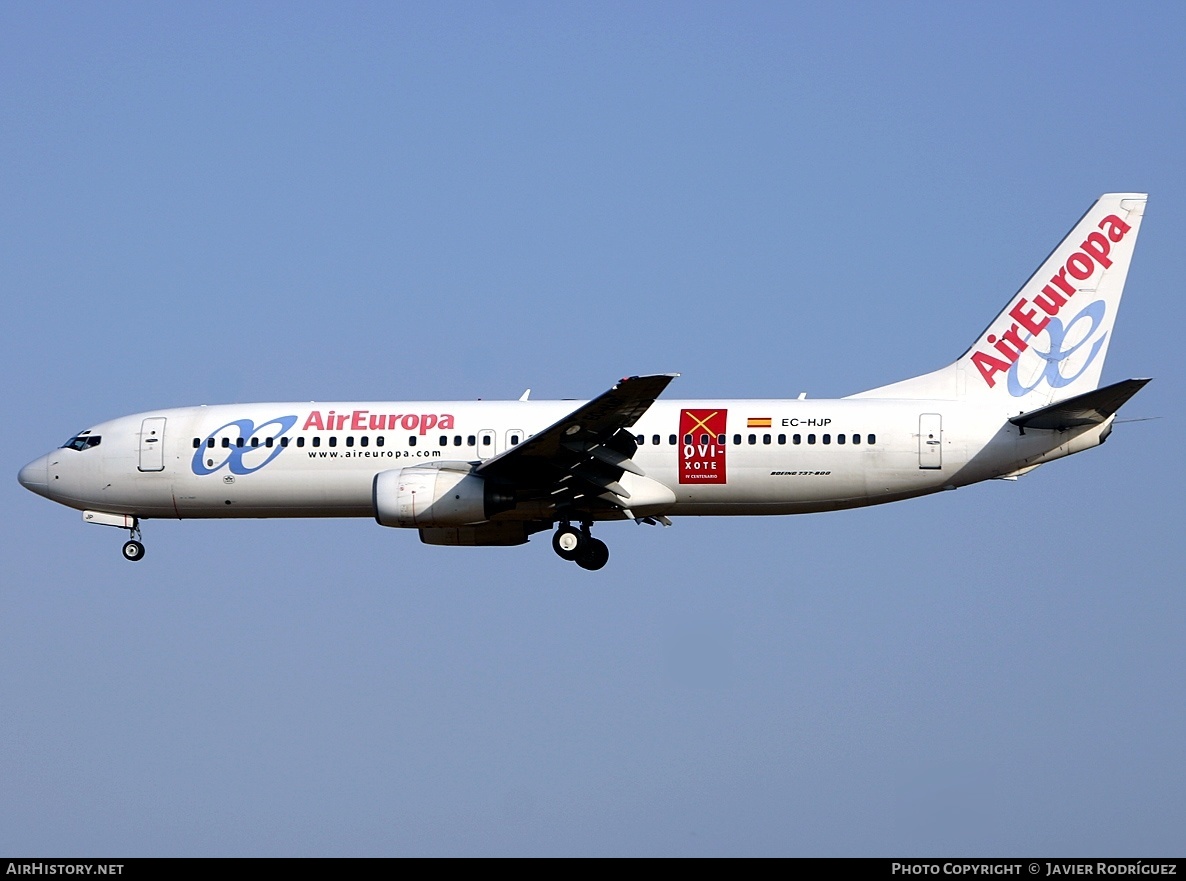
[(82, 441)]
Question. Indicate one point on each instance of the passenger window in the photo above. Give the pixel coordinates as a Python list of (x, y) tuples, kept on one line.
[(671, 439), (687, 438), (766, 439), (486, 439), (797, 439), (827, 438), (811, 438), (444, 440), (349, 440), (704, 440), (255, 441), (656, 440), (471, 441), (839, 438), (753, 439), (782, 440), (856, 438), (872, 439), (197, 442), (269, 441), (333, 440), (239, 442), (514, 440), (737, 440), (364, 440), (456, 440), (316, 440), (226, 442), (300, 441), (210, 443), (411, 440), (284, 442)]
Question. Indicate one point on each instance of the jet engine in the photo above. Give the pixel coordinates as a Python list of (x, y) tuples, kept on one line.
[(437, 494)]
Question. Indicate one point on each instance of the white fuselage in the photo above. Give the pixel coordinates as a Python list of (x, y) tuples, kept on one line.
[(320, 460)]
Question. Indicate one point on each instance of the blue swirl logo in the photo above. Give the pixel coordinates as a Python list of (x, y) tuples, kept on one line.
[(1057, 333), (248, 447)]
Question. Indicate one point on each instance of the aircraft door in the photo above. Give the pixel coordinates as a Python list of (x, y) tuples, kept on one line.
[(486, 443), (930, 440), (152, 444)]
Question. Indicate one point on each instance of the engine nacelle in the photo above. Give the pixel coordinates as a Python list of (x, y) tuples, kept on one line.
[(440, 494)]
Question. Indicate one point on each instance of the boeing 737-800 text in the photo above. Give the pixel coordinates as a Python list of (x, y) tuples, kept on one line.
[(493, 473)]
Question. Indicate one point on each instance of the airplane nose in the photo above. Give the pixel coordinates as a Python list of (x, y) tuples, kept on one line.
[(35, 476)]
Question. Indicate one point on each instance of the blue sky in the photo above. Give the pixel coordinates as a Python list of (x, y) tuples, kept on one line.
[(203, 203)]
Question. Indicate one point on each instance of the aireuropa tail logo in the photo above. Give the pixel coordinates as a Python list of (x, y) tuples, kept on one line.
[(1028, 322), (1059, 353), (242, 447)]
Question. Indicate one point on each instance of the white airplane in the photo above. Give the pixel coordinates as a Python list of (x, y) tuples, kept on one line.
[(492, 473)]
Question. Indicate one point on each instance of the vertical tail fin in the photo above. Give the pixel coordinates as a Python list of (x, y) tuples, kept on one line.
[(1050, 341)]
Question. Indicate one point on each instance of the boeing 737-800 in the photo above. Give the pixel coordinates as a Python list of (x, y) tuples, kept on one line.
[(495, 472)]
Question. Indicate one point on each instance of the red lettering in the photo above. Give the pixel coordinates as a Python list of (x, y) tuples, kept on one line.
[(1098, 246), (1080, 266), (1060, 278), (1025, 317), (988, 366), (1003, 347), (1011, 336), (1050, 300), (364, 420), (1115, 227), (1094, 251)]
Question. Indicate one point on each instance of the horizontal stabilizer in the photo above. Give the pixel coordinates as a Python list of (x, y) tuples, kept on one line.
[(1089, 408)]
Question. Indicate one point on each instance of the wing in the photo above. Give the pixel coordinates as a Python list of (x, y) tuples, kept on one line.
[(576, 464)]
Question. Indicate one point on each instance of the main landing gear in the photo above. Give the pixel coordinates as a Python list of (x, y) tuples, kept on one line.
[(579, 546), (133, 549)]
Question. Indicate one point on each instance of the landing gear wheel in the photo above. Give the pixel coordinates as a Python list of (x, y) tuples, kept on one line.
[(594, 555), (568, 542), (133, 551)]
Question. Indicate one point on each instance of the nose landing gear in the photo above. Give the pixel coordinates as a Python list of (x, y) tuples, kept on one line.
[(133, 550), (580, 546)]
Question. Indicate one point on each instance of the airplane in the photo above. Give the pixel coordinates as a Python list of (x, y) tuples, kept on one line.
[(486, 473)]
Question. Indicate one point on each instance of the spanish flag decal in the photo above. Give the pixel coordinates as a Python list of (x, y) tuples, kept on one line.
[(758, 422)]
